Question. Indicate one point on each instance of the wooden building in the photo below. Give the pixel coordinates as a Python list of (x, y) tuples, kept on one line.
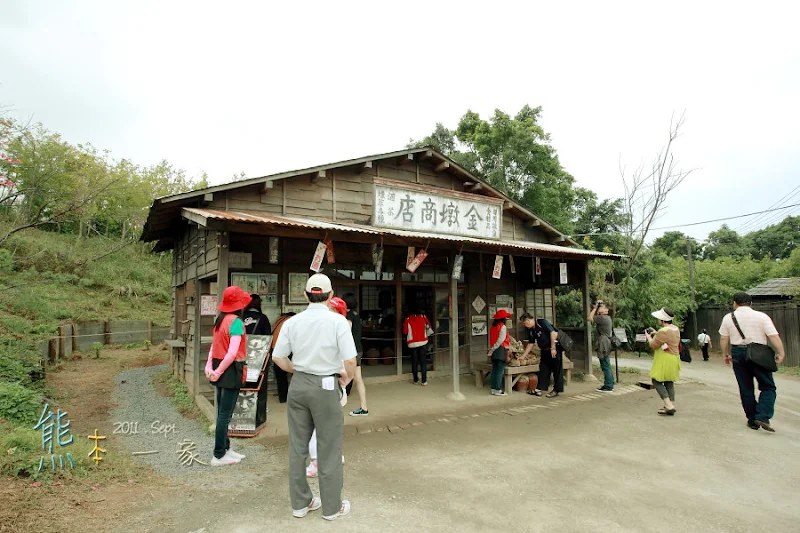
[(375, 213)]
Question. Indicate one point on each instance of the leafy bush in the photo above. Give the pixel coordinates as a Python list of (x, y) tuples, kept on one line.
[(18, 404), (6, 261), (20, 451)]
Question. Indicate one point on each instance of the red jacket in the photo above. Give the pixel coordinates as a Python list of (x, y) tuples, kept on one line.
[(494, 334), (222, 340), (415, 328)]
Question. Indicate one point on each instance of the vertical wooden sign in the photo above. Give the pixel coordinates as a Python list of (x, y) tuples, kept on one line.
[(563, 273), (417, 261), (316, 262), (330, 255), (458, 264), (498, 267), (511, 264), (410, 255)]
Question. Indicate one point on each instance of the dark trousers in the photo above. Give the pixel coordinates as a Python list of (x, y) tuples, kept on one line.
[(705, 352), (419, 359), (608, 375), (282, 380), (665, 389), (226, 402), (764, 408), (550, 365), (498, 368)]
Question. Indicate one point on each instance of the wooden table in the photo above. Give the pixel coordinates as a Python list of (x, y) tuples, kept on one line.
[(512, 373)]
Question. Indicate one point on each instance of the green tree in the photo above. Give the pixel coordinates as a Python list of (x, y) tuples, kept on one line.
[(600, 224), (724, 242), (515, 155), (673, 243), (776, 241)]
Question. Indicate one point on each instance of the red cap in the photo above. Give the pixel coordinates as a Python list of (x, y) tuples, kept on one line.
[(338, 305), (502, 313)]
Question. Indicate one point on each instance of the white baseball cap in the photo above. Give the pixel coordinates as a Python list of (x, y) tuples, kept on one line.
[(318, 284)]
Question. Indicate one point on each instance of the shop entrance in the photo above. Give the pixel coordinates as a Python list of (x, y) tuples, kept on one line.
[(422, 298)]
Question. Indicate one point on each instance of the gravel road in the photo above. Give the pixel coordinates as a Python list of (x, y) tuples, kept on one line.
[(162, 428)]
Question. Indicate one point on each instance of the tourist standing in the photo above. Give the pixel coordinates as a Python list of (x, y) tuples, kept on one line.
[(255, 321), (545, 336), (603, 344), (500, 343), (417, 328), (738, 329), (225, 369), (355, 326), (281, 376), (704, 340), (666, 369), (321, 342)]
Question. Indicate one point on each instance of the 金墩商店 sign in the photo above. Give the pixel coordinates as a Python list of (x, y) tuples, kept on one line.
[(413, 207)]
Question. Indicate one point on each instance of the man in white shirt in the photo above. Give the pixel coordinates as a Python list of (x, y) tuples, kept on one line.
[(321, 343), (704, 340), (757, 327)]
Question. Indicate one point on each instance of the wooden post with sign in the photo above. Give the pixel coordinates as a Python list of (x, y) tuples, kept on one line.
[(454, 354), (587, 367)]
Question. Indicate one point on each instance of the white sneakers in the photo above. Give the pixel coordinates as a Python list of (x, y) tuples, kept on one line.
[(345, 509), (230, 458), (315, 504)]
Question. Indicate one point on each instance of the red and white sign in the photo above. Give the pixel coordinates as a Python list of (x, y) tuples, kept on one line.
[(538, 267), (511, 264), (379, 261), (417, 261), (316, 263), (410, 256), (208, 304), (330, 255), (498, 266)]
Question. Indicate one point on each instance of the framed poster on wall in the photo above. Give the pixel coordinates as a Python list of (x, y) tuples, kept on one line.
[(297, 287)]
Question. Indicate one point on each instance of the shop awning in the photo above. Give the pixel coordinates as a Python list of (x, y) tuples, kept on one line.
[(202, 217)]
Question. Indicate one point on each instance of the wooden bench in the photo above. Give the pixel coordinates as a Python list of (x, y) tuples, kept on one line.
[(484, 369)]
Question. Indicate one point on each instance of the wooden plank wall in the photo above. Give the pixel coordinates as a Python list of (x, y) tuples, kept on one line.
[(345, 195)]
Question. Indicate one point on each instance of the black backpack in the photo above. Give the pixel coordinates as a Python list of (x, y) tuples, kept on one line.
[(686, 355), (564, 340)]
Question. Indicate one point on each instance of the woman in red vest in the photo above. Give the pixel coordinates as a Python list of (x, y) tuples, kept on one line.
[(225, 368), (417, 328), (500, 342)]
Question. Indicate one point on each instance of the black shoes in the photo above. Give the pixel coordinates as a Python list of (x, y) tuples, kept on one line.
[(752, 425)]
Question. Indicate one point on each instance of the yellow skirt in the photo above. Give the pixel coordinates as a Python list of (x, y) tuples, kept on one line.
[(666, 366)]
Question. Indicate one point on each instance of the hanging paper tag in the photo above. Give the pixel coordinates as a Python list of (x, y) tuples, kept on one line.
[(379, 261), (273, 250), (563, 270), (457, 265), (538, 267), (410, 256), (330, 255), (316, 263), (498, 266), (511, 264), (417, 261)]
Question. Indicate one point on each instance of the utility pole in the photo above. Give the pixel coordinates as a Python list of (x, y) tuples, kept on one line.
[(691, 286)]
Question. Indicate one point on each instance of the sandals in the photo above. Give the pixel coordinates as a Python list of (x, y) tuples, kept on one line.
[(534, 393), (552, 394), (665, 411)]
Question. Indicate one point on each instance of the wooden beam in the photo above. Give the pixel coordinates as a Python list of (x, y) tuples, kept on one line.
[(476, 187), (426, 155), (468, 184), (366, 166), (444, 165), (200, 220), (208, 197), (534, 223), (507, 205), (267, 186), (560, 238), (317, 175), (408, 158)]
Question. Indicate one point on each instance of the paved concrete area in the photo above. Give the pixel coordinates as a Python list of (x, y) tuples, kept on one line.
[(597, 464)]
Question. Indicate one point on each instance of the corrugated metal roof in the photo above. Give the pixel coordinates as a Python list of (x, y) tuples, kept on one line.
[(199, 215), (776, 287)]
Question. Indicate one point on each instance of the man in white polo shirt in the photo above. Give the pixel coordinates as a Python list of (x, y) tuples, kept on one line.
[(756, 326), (321, 343)]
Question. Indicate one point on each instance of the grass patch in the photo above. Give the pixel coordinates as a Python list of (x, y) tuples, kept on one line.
[(622, 369), (169, 387), (789, 370)]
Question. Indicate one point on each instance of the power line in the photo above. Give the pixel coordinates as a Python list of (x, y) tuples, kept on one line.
[(751, 224), (772, 220), (692, 223)]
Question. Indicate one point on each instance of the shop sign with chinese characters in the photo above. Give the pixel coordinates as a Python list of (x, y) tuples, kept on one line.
[(413, 207)]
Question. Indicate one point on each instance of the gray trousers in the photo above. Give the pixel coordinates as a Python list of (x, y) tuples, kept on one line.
[(665, 389), (310, 406)]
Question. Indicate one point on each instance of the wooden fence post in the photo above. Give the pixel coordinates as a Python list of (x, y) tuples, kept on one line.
[(107, 329)]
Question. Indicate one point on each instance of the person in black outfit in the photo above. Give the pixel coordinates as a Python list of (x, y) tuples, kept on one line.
[(281, 376), (255, 321), (545, 336)]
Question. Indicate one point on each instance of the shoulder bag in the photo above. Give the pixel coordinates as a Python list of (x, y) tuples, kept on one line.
[(759, 354)]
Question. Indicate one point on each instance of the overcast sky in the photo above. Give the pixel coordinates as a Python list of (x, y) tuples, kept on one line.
[(264, 87)]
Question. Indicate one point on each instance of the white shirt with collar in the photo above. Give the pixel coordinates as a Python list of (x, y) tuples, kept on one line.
[(318, 339), (756, 326)]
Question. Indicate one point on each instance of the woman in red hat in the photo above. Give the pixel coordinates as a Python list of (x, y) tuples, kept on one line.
[(500, 342), (225, 368)]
